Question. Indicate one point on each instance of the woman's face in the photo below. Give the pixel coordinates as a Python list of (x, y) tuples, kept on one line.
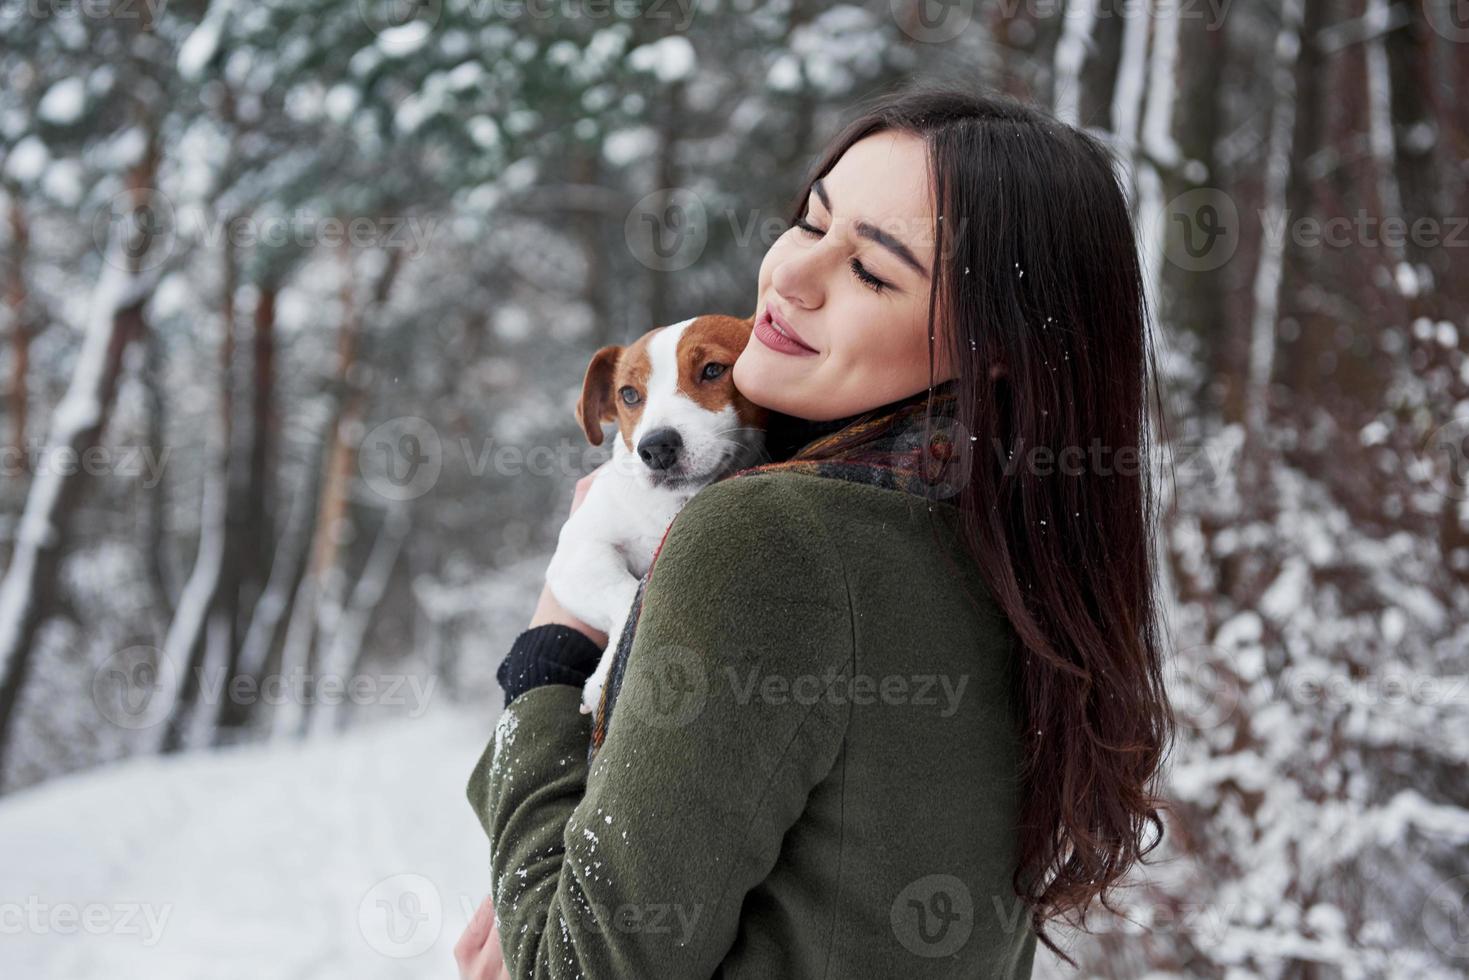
[(852, 285)]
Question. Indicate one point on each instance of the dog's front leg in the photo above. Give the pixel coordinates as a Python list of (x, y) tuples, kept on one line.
[(592, 690), (583, 575)]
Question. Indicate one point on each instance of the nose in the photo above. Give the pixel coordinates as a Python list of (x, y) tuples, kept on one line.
[(659, 449), (797, 287), (797, 277)]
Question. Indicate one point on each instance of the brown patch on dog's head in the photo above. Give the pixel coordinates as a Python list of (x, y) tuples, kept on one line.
[(614, 368), (717, 338)]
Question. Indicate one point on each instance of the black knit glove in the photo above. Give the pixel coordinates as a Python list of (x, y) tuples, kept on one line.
[(547, 654)]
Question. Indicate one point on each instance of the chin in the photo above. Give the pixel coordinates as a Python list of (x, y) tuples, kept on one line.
[(753, 375)]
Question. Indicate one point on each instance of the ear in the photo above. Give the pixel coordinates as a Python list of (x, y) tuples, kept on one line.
[(596, 404)]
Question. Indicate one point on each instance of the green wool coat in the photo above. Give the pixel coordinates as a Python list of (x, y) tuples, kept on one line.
[(811, 771)]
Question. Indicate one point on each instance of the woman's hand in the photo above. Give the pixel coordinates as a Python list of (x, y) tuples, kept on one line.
[(548, 610), (478, 951)]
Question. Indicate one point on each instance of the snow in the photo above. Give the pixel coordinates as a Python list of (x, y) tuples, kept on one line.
[(626, 146), (63, 102), (1288, 592), (671, 59), (294, 861), (399, 42), (27, 160), (202, 43), (784, 74), (341, 101), (466, 75), (484, 132), (63, 182)]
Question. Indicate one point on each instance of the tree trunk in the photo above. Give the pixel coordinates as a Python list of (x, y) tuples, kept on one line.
[(252, 554), (660, 304), (1267, 289), (16, 303), (319, 590), (202, 630), (1194, 301), (1100, 67), (29, 590), (344, 648)]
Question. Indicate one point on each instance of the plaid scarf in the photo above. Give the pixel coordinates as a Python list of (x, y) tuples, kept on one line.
[(882, 447)]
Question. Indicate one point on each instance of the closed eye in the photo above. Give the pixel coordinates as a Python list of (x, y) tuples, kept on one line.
[(858, 269)]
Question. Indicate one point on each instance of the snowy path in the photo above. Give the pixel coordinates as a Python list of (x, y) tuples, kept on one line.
[(351, 857)]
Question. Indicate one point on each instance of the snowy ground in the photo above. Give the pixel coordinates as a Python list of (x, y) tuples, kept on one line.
[(351, 857), (354, 857)]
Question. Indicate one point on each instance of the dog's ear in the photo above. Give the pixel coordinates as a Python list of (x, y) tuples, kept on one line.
[(596, 405)]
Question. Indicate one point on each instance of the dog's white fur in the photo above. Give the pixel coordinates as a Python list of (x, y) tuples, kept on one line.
[(607, 543)]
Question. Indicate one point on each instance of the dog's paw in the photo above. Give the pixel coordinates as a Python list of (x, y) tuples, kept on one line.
[(591, 695)]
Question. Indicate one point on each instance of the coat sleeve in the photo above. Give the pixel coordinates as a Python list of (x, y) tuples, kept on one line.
[(637, 865)]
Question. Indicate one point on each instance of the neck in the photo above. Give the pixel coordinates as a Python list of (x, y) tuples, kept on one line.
[(785, 434)]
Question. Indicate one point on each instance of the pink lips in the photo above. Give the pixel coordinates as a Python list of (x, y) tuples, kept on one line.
[(775, 333)]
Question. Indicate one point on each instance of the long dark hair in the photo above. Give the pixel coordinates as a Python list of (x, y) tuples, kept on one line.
[(1044, 314)]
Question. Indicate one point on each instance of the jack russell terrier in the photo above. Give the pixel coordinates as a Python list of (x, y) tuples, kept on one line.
[(681, 425)]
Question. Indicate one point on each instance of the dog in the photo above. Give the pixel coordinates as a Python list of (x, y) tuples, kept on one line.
[(681, 425)]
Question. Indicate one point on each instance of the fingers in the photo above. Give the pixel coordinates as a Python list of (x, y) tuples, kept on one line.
[(470, 949), (582, 486), (478, 929), (494, 962)]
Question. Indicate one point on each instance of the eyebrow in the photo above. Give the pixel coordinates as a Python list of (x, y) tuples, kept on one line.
[(873, 233)]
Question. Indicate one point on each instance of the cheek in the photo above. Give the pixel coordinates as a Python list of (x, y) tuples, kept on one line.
[(882, 334)]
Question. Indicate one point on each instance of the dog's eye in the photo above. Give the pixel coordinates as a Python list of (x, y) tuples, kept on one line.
[(629, 395), (712, 371)]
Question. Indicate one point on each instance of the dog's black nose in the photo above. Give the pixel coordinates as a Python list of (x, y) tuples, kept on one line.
[(659, 449)]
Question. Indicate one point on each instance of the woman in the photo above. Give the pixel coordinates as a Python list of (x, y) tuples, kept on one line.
[(885, 710)]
